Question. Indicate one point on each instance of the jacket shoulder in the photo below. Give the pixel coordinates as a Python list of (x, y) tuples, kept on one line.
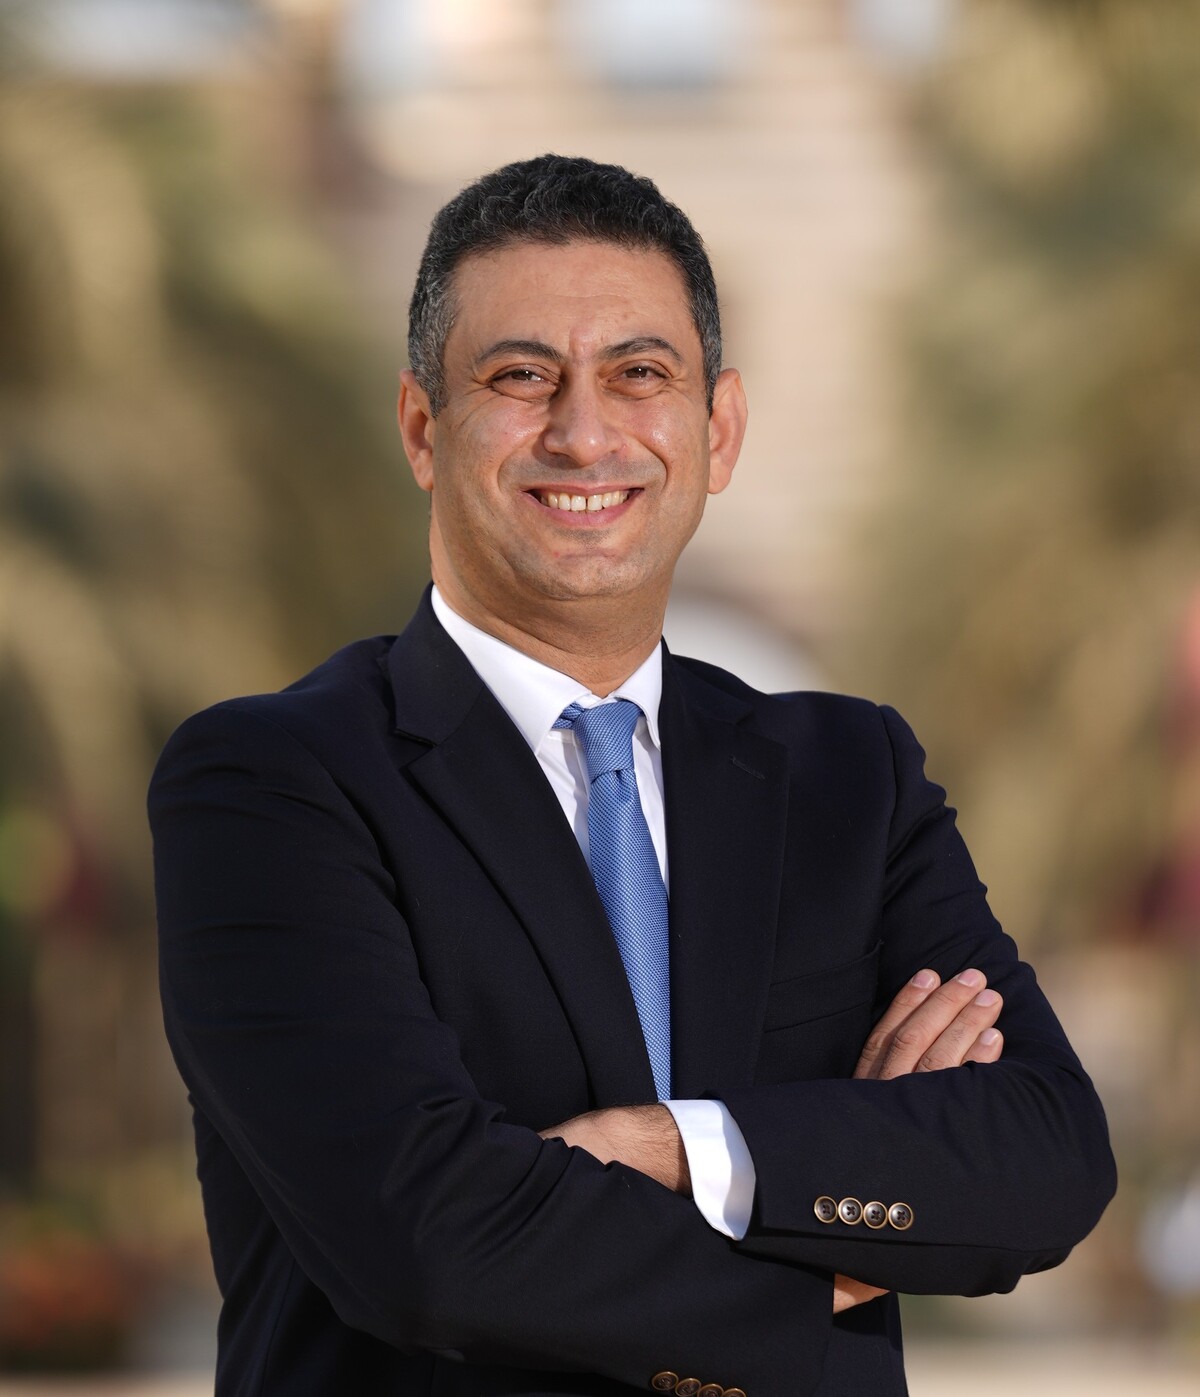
[(345, 694), (801, 712), (835, 738)]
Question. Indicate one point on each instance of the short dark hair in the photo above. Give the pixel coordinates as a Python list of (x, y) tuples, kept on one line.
[(553, 199)]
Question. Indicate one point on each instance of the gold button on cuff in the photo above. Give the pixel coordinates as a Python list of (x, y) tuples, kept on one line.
[(687, 1387), (734, 1392), (875, 1215), (825, 1208), (850, 1211), (664, 1382), (900, 1215), (711, 1389)]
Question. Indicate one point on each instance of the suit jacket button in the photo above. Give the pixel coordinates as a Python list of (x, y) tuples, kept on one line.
[(734, 1392), (875, 1215), (900, 1215), (664, 1382), (687, 1387), (825, 1209), (850, 1210), (711, 1389)]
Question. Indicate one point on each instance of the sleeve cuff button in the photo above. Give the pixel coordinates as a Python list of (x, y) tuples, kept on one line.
[(900, 1215), (875, 1215), (850, 1211)]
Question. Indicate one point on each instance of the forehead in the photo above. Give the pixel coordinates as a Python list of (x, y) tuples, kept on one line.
[(575, 290)]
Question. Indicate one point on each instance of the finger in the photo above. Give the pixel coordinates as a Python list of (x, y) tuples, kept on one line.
[(987, 1047), (918, 1034), (848, 1292), (952, 1045), (910, 997)]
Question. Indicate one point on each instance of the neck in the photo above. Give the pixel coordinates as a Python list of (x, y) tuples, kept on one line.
[(595, 641)]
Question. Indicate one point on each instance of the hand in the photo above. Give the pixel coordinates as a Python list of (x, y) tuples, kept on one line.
[(644, 1137), (929, 1026), (848, 1293)]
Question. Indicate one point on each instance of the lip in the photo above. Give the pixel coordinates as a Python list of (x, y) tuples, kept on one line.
[(582, 519)]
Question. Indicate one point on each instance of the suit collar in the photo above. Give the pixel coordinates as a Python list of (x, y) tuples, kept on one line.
[(433, 687)]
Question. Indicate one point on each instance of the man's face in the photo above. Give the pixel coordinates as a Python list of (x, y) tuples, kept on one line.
[(573, 455)]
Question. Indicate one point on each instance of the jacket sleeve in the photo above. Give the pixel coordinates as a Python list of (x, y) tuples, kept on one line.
[(298, 1018), (1005, 1166)]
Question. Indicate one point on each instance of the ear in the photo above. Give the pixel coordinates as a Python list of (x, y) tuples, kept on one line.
[(726, 428), (417, 428)]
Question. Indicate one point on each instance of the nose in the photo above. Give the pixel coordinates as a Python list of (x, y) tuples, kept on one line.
[(580, 425)]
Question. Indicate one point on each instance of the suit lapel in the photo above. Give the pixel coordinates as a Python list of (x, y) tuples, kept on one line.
[(482, 778), (726, 791)]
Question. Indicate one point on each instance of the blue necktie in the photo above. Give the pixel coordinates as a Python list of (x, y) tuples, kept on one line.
[(625, 868)]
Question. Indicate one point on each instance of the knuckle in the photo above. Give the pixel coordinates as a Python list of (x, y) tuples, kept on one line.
[(909, 1038)]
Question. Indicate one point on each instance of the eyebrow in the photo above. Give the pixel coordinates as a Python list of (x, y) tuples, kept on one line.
[(527, 349), (643, 344), (539, 349)]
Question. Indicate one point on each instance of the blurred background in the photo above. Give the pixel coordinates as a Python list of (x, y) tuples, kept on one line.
[(958, 244)]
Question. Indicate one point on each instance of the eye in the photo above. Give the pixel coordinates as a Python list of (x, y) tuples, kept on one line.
[(523, 381), (639, 378)]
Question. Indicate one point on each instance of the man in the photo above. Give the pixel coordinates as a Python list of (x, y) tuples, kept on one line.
[(422, 972)]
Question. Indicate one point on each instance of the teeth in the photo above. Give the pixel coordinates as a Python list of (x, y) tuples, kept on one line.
[(592, 504)]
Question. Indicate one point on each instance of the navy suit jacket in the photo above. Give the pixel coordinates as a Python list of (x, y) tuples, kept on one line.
[(385, 966)]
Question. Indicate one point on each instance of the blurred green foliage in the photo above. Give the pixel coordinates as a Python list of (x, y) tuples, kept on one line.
[(1043, 546), (201, 494)]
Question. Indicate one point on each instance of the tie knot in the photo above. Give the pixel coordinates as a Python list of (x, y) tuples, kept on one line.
[(605, 733)]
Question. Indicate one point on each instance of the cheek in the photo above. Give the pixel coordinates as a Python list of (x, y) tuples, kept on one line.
[(678, 441), (493, 430)]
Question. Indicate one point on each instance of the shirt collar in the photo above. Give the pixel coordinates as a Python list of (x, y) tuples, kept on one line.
[(531, 693)]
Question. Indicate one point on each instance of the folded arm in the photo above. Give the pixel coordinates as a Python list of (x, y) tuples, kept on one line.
[(1005, 1165), (928, 1027), (1004, 1162)]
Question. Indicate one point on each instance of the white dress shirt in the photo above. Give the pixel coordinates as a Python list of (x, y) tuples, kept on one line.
[(534, 695)]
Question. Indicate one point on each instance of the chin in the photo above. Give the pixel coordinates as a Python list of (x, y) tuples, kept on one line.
[(592, 586)]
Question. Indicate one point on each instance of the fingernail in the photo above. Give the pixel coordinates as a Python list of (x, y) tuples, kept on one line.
[(970, 978), (989, 1036), (924, 980), (986, 998)]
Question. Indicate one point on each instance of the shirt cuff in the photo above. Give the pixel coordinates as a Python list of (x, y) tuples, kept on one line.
[(722, 1171)]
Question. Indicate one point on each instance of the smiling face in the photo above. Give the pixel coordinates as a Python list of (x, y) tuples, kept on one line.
[(571, 461)]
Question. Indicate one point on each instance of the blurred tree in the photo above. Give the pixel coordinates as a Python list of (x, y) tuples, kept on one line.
[(1044, 536), (1039, 554), (200, 495)]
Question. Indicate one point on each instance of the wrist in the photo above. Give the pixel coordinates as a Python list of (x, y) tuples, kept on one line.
[(645, 1138)]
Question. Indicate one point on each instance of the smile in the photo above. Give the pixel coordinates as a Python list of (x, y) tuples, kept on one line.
[(578, 504)]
